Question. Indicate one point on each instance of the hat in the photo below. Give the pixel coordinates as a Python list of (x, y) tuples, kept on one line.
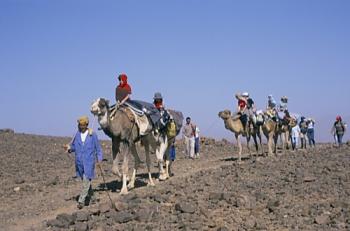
[(83, 120), (157, 95), (245, 94)]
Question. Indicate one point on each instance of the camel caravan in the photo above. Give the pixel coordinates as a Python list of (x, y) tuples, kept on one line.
[(130, 121), (274, 122)]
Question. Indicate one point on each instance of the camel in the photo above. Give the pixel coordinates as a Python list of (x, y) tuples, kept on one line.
[(235, 125), (269, 129), (124, 134)]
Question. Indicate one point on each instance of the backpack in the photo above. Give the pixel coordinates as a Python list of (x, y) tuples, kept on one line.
[(171, 129)]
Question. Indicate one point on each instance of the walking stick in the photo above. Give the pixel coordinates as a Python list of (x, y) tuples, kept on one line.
[(104, 181)]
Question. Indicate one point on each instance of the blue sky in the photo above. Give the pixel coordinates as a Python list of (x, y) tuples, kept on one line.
[(56, 57)]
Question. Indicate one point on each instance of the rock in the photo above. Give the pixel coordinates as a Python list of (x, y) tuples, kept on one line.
[(223, 229), (322, 219), (242, 201), (82, 216), (309, 179), (19, 181), (7, 130), (123, 217), (16, 189), (272, 205), (81, 226), (104, 208), (185, 207), (120, 206), (62, 221), (143, 215), (214, 196)]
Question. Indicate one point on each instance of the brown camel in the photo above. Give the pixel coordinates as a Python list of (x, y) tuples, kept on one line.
[(269, 129), (235, 125), (124, 134)]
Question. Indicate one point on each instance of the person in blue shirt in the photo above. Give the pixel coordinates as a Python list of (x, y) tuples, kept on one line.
[(87, 151)]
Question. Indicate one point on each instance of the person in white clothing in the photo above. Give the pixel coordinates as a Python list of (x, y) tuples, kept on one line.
[(196, 142), (295, 136), (188, 132)]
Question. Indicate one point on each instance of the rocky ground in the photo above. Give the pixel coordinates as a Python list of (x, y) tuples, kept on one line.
[(303, 190)]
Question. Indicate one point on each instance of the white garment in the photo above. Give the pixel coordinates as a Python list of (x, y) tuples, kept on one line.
[(196, 134), (84, 135), (295, 131), (189, 146)]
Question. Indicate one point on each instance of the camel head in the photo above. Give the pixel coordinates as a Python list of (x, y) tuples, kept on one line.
[(99, 107), (225, 114)]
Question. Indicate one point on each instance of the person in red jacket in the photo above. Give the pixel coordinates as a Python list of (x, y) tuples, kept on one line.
[(242, 107), (123, 90)]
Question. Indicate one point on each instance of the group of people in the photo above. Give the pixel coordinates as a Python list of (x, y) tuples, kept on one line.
[(302, 129), (88, 152)]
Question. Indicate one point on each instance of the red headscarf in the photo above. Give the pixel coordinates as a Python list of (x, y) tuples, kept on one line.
[(123, 78)]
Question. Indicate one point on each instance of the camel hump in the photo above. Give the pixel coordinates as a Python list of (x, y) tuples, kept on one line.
[(141, 121)]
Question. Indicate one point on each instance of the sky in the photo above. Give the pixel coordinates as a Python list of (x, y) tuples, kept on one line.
[(56, 57)]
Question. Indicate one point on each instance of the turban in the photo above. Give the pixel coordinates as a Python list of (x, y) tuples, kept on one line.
[(83, 120)]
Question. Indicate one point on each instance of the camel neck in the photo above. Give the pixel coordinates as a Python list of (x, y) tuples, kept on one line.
[(104, 120)]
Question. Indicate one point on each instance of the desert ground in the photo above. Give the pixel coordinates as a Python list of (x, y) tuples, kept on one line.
[(293, 190)]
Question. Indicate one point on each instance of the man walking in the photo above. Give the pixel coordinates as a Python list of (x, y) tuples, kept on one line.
[(188, 133), (87, 149)]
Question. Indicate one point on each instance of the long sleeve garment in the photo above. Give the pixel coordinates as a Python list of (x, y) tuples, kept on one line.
[(86, 154)]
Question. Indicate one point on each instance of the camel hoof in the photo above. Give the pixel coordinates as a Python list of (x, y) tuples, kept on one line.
[(131, 186), (151, 184), (124, 192), (162, 177)]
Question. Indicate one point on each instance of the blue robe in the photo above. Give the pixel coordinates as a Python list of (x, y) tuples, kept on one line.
[(86, 154)]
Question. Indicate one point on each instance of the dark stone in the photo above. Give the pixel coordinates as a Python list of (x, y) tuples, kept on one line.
[(82, 216), (81, 226), (104, 208), (62, 221), (7, 130), (322, 220), (216, 196), (143, 215), (222, 229), (185, 207), (19, 181), (272, 205), (123, 217)]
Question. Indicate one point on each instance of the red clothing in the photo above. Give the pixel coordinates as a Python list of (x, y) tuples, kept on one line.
[(123, 88), (242, 104)]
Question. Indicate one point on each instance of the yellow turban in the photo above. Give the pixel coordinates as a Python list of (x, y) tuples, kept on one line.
[(83, 120)]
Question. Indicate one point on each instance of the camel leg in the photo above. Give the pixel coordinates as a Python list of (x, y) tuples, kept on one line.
[(256, 144), (160, 155), (146, 144), (137, 162), (238, 138), (125, 151), (248, 140), (131, 184), (115, 151), (260, 141), (270, 141), (275, 138)]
